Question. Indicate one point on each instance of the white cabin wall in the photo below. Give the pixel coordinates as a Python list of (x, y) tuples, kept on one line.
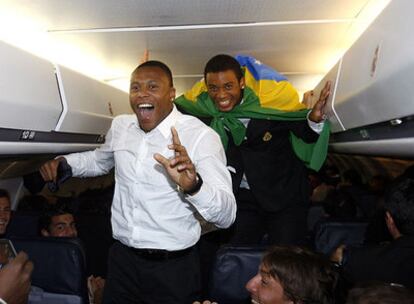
[(15, 188)]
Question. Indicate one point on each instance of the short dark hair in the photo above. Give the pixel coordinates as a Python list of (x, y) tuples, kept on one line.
[(399, 202), (380, 293), (4, 193), (158, 64), (221, 63), (45, 218), (306, 277)]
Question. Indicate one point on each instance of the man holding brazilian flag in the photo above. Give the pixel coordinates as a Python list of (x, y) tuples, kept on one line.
[(270, 139)]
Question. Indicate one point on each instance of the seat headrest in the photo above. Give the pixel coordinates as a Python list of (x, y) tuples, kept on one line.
[(232, 269)]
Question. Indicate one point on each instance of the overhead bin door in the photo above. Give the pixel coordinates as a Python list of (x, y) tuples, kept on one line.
[(89, 104), (29, 95), (377, 72)]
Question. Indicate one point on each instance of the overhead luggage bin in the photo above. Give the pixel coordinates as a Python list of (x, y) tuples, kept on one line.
[(376, 81), (372, 108), (48, 108), (89, 105), (29, 95)]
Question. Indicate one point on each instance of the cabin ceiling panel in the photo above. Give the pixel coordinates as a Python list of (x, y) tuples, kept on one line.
[(187, 51), (85, 14)]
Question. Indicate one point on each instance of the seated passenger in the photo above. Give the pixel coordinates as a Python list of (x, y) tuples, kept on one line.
[(58, 221), (5, 211), (393, 262), (292, 275)]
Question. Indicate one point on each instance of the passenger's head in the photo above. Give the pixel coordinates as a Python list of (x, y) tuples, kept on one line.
[(380, 293), (151, 93), (399, 206), (225, 82), (57, 221), (5, 210), (292, 275)]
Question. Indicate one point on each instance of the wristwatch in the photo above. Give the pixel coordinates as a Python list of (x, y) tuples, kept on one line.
[(195, 189)]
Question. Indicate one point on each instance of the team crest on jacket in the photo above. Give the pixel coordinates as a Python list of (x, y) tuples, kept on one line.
[(267, 136)]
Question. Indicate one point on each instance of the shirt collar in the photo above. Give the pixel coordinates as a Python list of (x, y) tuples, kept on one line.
[(165, 126)]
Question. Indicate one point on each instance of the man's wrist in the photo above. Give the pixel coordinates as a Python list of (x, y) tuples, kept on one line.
[(194, 189), (315, 126)]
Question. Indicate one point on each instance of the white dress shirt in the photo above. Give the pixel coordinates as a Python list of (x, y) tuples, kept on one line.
[(147, 209)]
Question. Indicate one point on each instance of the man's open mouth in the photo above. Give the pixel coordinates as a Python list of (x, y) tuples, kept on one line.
[(145, 110)]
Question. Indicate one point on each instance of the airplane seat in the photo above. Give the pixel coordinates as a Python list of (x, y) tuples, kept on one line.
[(232, 269), (315, 214), (23, 225), (59, 269), (331, 233)]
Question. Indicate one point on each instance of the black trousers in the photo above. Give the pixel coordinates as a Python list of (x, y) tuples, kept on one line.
[(287, 226), (134, 277)]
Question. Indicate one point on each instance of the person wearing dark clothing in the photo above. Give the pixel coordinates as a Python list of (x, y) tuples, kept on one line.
[(257, 129), (392, 262)]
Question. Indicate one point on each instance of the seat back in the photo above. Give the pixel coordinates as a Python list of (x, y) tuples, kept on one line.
[(232, 269), (330, 234), (59, 265)]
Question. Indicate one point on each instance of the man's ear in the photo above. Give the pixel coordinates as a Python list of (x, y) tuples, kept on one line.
[(172, 94), (242, 82), (44, 232)]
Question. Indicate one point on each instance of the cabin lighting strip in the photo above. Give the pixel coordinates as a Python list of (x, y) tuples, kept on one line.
[(200, 26)]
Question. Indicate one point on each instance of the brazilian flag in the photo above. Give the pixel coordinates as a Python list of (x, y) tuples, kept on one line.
[(267, 95)]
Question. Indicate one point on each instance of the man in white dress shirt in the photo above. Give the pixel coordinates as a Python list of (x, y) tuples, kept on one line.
[(167, 167)]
